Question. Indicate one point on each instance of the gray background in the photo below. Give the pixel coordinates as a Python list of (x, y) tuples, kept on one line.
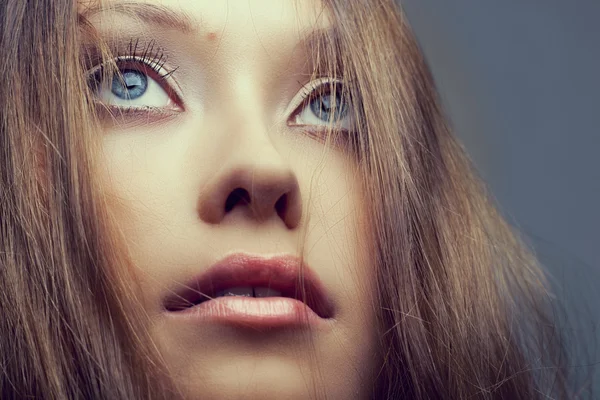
[(520, 82)]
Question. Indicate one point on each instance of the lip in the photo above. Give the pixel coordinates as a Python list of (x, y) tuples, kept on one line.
[(285, 273)]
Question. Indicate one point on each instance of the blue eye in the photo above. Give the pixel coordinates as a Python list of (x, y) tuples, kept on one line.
[(130, 85), (135, 86), (322, 107), (322, 103)]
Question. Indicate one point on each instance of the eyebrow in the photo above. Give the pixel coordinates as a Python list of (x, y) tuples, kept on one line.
[(326, 39), (149, 13)]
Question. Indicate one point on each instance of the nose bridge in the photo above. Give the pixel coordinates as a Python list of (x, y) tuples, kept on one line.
[(254, 179), (248, 111), (253, 154)]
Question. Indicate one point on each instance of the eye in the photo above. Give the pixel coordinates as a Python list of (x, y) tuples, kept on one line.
[(137, 85), (323, 103)]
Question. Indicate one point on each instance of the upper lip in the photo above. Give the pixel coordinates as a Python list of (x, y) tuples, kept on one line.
[(283, 273)]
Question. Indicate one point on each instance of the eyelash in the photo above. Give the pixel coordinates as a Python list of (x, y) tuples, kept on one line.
[(153, 58)]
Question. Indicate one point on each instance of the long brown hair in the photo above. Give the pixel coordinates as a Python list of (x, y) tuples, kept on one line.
[(463, 303), (65, 331), (462, 307)]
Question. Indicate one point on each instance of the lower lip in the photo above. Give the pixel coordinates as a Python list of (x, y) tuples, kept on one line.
[(264, 312)]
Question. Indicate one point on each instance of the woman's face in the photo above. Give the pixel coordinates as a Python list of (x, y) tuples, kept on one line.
[(222, 155)]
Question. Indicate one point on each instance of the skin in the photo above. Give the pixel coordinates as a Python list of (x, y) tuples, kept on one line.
[(168, 171)]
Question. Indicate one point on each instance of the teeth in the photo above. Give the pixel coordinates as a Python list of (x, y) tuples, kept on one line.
[(266, 292), (237, 291), (248, 291)]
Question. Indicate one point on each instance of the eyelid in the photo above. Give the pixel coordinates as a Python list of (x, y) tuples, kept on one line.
[(306, 90)]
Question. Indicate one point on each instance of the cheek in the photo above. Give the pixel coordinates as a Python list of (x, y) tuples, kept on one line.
[(144, 181), (335, 210), (338, 236), (138, 179)]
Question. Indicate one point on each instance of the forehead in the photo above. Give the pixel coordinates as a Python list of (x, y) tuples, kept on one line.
[(267, 19)]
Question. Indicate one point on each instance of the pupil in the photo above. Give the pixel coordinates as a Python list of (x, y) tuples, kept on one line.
[(130, 85)]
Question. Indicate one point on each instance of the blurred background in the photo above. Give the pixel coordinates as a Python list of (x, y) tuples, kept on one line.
[(520, 81)]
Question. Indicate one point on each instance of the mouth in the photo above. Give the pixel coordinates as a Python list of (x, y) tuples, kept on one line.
[(253, 289)]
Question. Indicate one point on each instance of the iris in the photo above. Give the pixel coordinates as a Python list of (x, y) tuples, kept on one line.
[(322, 107), (130, 85)]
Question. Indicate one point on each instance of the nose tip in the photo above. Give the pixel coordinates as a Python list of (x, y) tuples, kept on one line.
[(260, 193)]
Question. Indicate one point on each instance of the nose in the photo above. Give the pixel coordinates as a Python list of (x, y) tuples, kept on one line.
[(256, 182)]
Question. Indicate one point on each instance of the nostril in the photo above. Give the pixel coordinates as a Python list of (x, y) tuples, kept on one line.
[(235, 197), (281, 206)]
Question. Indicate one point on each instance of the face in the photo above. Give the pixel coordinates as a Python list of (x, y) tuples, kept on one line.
[(216, 151)]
